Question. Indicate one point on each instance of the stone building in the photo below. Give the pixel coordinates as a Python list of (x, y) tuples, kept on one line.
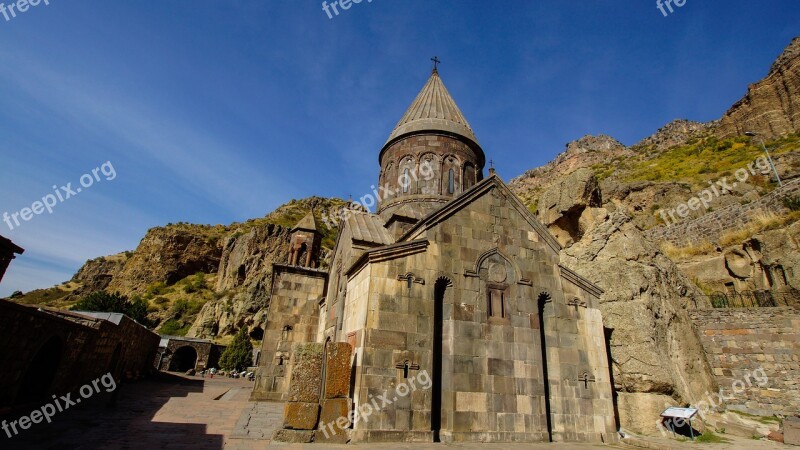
[(180, 354), (47, 351), (8, 250), (455, 277)]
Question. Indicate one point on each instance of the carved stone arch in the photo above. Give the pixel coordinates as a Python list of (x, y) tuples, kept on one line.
[(429, 185), (496, 252), (389, 181), (407, 168), (411, 278), (445, 279), (451, 162)]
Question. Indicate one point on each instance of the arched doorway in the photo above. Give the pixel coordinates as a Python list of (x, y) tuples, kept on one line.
[(41, 372), (183, 359)]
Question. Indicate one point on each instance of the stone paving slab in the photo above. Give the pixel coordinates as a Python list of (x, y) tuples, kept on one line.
[(183, 413)]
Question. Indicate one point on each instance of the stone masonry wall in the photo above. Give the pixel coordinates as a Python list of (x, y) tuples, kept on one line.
[(740, 341), (710, 227)]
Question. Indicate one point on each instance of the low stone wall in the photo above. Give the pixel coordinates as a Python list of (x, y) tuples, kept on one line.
[(710, 227), (755, 356), (48, 352)]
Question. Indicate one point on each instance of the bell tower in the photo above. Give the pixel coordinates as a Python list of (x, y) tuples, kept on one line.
[(304, 244), (431, 156)]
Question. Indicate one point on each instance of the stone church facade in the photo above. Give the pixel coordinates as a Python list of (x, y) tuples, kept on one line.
[(455, 277)]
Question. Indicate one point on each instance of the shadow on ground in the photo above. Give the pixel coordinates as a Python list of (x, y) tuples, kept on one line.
[(94, 424)]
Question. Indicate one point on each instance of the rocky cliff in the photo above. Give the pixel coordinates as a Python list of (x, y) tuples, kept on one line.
[(598, 195), (657, 358), (199, 280), (168, 255), (771, 106)]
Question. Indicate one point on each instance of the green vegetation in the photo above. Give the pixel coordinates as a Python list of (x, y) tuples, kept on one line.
[(766, 420), (194, 283), (174, 327), (239, 354), (710, 438), (180, 303), (114, 303), (703, 160)]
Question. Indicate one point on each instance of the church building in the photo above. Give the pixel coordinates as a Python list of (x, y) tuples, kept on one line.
[(452, 276)]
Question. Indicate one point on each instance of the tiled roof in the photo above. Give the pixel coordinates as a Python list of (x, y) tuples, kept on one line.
[(368, 227)]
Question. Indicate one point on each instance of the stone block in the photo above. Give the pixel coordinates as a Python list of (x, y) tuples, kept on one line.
[(337, 370), (334, 421), (306, 377), (293, 436), (327, 436), (300, 416), (791, 430)]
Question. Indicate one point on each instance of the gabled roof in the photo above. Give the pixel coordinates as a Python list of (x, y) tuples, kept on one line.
[(480, 189), (307, 223), (433, 110), (368, 227)]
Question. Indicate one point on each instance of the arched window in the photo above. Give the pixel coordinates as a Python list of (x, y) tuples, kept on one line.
[(469, 176), (405, 181), (451, 181)]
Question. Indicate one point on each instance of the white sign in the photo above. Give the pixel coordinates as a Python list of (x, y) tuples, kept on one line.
[(680, 413)]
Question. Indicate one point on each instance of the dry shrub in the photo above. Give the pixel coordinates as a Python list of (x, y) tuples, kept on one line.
[(677, 253)]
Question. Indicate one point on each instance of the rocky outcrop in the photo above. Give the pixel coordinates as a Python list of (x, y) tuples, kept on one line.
[(677, 132), (765, 261), (245, 273), (96, 274), (169, 254), (585, 152), (233, 311), (654, 348), (247, 258), (772, 105), (562, 205), (656, 354)]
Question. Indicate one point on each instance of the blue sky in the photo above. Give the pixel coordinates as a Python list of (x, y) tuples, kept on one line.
[(215, 112)]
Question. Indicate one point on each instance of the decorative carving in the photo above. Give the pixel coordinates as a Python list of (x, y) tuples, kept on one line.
[(576, 302), (586, 378), (406, 366), (497, 273), (411, 278)]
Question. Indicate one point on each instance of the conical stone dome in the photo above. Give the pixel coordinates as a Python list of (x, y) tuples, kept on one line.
[(433, 110)]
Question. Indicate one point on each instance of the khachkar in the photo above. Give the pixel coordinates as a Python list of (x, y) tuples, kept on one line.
[(454, 280)]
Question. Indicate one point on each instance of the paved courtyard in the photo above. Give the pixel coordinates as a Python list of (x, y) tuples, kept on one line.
[(191, 413)]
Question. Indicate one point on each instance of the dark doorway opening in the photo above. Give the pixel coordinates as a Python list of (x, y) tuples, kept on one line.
[(543, 299), (257, 333), (183, 359), (38, 378), (439, 290), (607, 332)]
